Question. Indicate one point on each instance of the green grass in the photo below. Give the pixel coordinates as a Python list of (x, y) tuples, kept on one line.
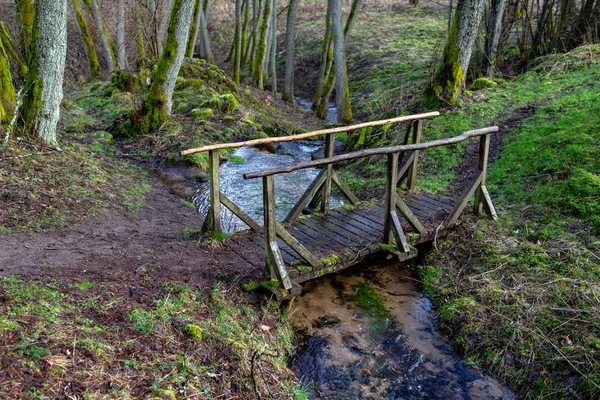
[(183, 340), (521, 298)]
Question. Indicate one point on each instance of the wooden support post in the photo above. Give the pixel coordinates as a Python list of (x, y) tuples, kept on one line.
[(391, 226), (275, 266), (412, 171), (323, 197), (212, 223), (484, 151)]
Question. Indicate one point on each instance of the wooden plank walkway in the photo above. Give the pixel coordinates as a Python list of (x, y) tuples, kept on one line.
[(345, 236)]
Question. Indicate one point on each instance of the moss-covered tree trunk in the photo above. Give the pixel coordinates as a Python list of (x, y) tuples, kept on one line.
[(43, 85), (204, 41), (194, 30), (449, 80), (326, 60), (90, 51), (7, 90), (158, 102), (342, 97), (493, 38), (261, 50), (102, 34), (237, 43), (288, 80), (273, 49), (139, 37), (25, 17), (7, 43)]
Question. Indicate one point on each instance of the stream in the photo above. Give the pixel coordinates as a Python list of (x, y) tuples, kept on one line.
[(404, 357)]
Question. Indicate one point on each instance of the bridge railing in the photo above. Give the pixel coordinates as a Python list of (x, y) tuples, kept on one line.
[(394, 205), (319, 192)]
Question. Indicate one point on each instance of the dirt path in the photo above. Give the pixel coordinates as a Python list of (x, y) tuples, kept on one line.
[(116, 246)]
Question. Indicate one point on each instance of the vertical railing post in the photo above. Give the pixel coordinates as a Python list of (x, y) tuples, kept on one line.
[(274, 260), (213, 218), (390, 196), (417, 133), (329, 149), (484, 152)]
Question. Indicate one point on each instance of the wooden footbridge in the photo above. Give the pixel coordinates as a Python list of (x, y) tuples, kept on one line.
[(302, 247)]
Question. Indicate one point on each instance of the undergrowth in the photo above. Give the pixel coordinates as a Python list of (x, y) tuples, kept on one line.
[(174, 341), (521, 298)]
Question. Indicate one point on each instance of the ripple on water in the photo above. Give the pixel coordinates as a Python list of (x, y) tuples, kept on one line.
[(409, 359)]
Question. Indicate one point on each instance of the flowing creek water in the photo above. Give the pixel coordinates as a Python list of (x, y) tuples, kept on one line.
[(345, 353)]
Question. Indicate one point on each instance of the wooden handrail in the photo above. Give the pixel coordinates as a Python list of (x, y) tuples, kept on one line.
[(374, 152), (308, 135)]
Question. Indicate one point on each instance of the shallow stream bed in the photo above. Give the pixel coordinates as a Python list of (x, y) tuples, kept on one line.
[(348, 354)]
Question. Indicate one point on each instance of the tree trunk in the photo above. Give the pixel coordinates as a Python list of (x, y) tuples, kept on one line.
[(237, 42), (259, 60), (493, 38), (102, 33), (6, 42), (158, 102), (25, 17), (273, 56), (195, 28), (205, 51), (449, 80), (164, 24), (90, 51), (7, 98), (288, 80), (342, 98), (139, 37), (326, 59), (43, 95), (121, 57)]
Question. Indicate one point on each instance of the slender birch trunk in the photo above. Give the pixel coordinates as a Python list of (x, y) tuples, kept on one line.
[(493, 39), (158, 102), (164, 23), (44, 92), (449, 80), (288, 80), (344, 112)]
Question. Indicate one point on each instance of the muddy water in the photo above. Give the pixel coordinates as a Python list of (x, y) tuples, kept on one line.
[(247, 194), (344, 358)]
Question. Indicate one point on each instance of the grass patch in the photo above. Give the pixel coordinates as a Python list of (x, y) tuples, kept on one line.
[(178, 343), (521, 298)]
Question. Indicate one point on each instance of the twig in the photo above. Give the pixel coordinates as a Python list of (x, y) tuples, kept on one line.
[(18, 104)]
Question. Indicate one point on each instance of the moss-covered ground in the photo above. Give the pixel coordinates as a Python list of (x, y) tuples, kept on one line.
[(521, 297), (86, 339)]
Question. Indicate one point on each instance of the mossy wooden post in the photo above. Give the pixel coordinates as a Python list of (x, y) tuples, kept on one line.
[(329, 147), (482, 197), (274, 260), (391, 224), (212, 223), (417, 133)]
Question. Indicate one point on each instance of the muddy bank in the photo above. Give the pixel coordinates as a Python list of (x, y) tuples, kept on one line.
[(345, 355)]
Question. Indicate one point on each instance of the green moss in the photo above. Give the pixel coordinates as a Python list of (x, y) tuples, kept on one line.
[(483, 83), (7, 91), (201, 113), (194, 332), (6, 42), (371, 303), (330, 262)]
